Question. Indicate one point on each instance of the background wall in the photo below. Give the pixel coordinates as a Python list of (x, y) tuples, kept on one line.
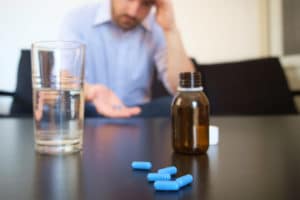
[(291, 26), (212, 31), (277, 31), (219, 30), (23, 22)]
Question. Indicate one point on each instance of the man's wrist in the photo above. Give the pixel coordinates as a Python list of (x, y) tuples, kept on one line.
[(171, 31), (87, 91)]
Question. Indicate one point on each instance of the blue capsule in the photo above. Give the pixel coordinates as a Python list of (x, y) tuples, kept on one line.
[(158, 177), (184, 180), (141, 165), (166, 185), (168, 170)]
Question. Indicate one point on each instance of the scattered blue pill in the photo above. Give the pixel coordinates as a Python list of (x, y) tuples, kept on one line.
[(168, 170), (184, 180), (141, 165), (166, 185), (158, 177)]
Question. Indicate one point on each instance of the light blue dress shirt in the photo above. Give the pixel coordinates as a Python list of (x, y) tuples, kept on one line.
[(121, 60)]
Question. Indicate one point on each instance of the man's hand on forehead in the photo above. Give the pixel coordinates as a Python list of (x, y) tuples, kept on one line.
[(164, 14), (160, 2), (163, 4)]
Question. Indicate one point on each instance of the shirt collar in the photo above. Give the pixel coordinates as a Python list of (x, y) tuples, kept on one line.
[(103, 15), (147, 23)]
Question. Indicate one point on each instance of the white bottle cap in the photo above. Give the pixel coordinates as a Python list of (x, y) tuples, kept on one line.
[(213, 135)]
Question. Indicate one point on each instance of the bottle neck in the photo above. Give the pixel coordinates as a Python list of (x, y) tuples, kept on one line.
[(190, 81), (193, 89)]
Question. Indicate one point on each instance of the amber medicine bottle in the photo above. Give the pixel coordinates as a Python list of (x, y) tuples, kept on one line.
[(190, 115)]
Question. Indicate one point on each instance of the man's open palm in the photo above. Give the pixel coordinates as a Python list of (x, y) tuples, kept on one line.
[(108, 103)]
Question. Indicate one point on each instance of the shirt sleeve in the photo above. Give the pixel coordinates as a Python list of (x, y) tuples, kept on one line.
[(160, 57)]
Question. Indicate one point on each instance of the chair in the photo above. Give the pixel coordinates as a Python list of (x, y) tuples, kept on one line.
[(251, 87), (22, 97)]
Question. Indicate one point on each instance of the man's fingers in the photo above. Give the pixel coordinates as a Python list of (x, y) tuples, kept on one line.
[(162, 3), (108, 103), (134, 110), (123, 112)]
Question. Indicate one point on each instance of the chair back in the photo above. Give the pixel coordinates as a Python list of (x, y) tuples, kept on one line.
[(22, 101), (251, 87)]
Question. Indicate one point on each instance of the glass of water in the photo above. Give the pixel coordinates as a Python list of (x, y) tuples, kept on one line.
[(58, 100)]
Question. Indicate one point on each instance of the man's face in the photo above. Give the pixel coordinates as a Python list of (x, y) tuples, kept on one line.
[(130, 13)]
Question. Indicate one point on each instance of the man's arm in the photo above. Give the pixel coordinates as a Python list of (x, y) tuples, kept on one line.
[(177, 59)]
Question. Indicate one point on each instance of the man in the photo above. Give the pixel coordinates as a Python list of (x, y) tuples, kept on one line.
[(124, 40)]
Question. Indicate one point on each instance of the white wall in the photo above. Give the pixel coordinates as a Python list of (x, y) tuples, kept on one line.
[(212, 31), (21, 23), (219, 30), (291, 63)]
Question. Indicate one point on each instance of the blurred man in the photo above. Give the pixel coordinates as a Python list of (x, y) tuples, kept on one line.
[(125, 39)]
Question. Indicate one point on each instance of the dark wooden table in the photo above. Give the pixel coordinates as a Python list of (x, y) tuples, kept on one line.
[(257, 158)]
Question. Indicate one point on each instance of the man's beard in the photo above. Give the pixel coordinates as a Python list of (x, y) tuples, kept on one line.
[(127, 22)]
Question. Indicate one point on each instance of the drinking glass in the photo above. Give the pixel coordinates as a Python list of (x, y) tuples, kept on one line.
[(58, 100)]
